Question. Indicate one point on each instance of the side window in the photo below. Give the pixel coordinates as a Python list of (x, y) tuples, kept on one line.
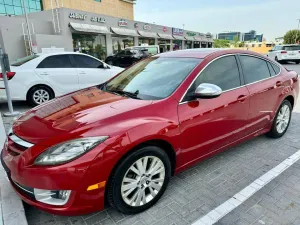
[(223, 72), (255, 69), (56, 61), (272, 71), (83, 61), (276, 68)]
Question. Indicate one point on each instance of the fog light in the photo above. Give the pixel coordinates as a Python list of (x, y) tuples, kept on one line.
[(50, 197)]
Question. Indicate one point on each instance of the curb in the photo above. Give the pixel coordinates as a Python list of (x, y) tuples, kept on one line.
[(11, 206)]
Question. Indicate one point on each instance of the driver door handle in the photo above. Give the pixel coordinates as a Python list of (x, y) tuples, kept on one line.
[(278, 83), (242, 98)]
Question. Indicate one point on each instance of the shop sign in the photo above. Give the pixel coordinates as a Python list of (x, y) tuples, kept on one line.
[(136, 25), (177, 31), (77, 16), (122, 23), (192, 34), (147, 27), (98, 19)]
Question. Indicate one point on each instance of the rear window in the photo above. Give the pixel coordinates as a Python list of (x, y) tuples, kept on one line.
[(292, 48), (20, 62)]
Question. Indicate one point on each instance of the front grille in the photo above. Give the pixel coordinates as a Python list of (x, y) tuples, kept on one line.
[(17, 146)]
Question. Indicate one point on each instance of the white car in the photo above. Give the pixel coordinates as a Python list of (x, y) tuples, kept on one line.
[(285, 53), (39, 78)]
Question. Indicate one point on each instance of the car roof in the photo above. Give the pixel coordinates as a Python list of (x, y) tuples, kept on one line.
[(60, 53), (203, 52)]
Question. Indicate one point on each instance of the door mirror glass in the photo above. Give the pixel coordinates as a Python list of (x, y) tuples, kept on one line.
[(206, 91)]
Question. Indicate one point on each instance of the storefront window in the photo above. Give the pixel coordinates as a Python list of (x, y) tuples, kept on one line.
[(197, 44), (177, 45), (146, 41), (189, 44), (121, 42), (94, 45), (164, 45)]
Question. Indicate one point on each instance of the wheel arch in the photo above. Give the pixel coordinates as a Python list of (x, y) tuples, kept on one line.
[(40, 85), (291, 99), (163, 144)]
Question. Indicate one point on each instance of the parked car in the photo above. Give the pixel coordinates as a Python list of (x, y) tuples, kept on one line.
[(40, 78), (285, 53), (150, 49), (122, 141), (127, 57)]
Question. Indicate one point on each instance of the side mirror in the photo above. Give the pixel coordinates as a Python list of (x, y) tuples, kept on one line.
[(271, 50), (207, 91), (105, 67)]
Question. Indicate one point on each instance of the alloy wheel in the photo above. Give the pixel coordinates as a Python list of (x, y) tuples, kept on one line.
[(143, 181), (283, 119), (40, 96)]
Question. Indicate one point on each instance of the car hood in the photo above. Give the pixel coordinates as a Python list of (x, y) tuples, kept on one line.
[(73, 115), (116, 68)]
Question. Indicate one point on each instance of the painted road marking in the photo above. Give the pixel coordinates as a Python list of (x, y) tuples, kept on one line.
[(222, 210)]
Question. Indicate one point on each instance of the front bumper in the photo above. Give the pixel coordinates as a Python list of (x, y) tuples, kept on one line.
[(24, 178)]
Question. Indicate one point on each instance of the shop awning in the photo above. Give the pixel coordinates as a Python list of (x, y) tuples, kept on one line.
[(199, 38), (124, 31), (189, 38), (89, 28), (148, 34), (165, 36), (177, 37)]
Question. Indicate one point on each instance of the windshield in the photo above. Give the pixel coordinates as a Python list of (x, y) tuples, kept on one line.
[(292, 48), (153, 78), (20, 62)]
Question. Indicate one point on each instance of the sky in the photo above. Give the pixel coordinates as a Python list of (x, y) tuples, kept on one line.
[(269, 17)]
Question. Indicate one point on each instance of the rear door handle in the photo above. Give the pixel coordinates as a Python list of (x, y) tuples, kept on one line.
[(278, 83), (242, 98), (82, 72), (43, 74)]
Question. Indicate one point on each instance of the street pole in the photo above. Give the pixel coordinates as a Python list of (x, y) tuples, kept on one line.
[(9, 102), (298, 31), (27, 26)]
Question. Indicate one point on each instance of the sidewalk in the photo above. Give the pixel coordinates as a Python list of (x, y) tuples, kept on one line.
[(11, 206)]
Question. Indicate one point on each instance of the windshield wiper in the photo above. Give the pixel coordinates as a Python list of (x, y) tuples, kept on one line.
[(126, 93)]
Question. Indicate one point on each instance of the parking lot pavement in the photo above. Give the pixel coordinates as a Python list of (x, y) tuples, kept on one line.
[(194, 193)]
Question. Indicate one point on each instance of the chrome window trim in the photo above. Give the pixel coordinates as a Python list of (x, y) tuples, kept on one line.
[(241, 73), (231, 54), (266, 59), (20, 141)]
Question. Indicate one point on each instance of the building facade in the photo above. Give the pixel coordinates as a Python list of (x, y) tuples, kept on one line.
[(118, 8), (96, 34), (248, 36), (229, 35)]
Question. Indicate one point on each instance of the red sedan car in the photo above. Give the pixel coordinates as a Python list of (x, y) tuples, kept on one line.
[(122, 141)]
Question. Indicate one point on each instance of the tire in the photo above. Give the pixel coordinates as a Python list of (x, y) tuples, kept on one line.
[(117, 186), (277, 131), (276, 59), (46, 94), (297, 62)]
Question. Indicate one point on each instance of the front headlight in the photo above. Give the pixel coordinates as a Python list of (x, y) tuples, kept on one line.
[(67, 151)]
